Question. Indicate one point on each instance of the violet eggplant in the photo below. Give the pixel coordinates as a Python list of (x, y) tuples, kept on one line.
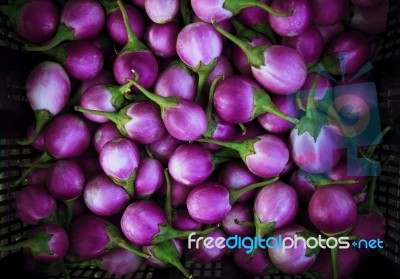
[(258, 265), (316, 142), (369, 226), (34, 204), (203, 254), (79, 20), (328, 12), (223, 68), (140, 121), (161, 38), (163, 148), (275, 206), (166, 254), (119, 159), (103, 197), (240, 93), (236, 222), (47, 88), (105, 133), (47, 243), (296, 23), (332, 210), (328, 32), (207, 42), (235, 175), (265, 156), (210, 202), (149, 177), (266, 61), (92, 236), (38, 143), (65, 181), (135, 59), (138, 3), (115, 22), (370, 20), (208, 10), (183, 119), (34, 21), (179, 193), (81, 59), (161, 11), (89, 163), (37, 176), (145, 223), (118, 261), (297, 259), (347, 53), (176, 80), (308, 43), (181, 220), (274, 123)]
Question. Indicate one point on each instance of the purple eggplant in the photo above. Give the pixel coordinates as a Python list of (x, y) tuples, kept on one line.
[(235, 175), (149, 177), (34, 21), (181, 220), (238, 220), (308, 43), (176, 80), (89, 163), (166, 254), (81, 59), (369, 226), (161, 11), (135, 59), (328, 12), (347, 53), (207, 42), (370, 20), (66, 136), (223, 68), (140, 121), (266, 61), (47, 243), (105, 133), (163, 148), (240, 93), (183, 119), (47, 88), (203, 254), (65, 181), (161, 38), (103, 197), (257, 265), (79, 20), (115, 22), (179, 193), (332, 210), (294, 24), (274, 123), (38, 143), (145, 223), (37, 176), (92, 236), (275, 206), (265, 156), (328, 32), (119, 159), (220, 10), (34, 204), (297, 259)]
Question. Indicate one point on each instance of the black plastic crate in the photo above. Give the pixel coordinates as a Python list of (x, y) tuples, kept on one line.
[(15, 115)]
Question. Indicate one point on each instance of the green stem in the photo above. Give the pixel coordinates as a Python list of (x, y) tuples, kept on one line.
[(219, 160), (133, 42), (167, 232), (242, 31), (334, 255), (122, 243), (42, 118), (203, 72), (17, 245), (310, 100), (235, 194), (65, 271), (183, 7), (64, 33), (237, 5), (267, 31), (108, 5), (167, 205), (209, 109), (226, 153), (233, 145), (70, 209), (299, 101), (244, 223), (322, 183), (45, 157), (371, 192), (113, 116)]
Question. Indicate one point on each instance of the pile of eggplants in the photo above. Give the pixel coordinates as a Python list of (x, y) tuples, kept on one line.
[(155, 119)]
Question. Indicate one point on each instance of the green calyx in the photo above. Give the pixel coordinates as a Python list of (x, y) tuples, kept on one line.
[(127, 184), (38, 243), (236, 6), (44, 158), (306, 234), (203, 72), (42, 118), (331, 62), (13, 11), (166, 252), (242, 31)]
